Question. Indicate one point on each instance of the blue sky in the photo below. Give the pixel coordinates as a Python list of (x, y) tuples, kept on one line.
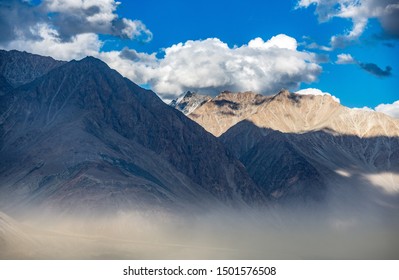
[(132, 38), (237, 22)]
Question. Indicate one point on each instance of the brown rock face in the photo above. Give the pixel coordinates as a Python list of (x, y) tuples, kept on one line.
[(305, 146), (227, 109), (291, 113)]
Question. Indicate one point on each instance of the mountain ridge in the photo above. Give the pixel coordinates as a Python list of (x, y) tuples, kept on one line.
[(325, 162), (83, 134), (290, 112), (19, 68), (305, 146)]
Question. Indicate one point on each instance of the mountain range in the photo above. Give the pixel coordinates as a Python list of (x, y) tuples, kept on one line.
[(306, 146), (95, 167), (77, 136)]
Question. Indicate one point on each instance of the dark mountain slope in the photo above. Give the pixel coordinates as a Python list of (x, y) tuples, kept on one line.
[(82, 135), (19, 68), (319, 163)]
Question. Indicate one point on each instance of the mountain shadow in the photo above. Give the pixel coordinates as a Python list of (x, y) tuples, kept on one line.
[(82, 137), (318, 165)]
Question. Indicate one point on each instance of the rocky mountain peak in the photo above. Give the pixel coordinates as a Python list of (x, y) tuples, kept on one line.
[(284, 92), (90, 61), (190, 94), (243, 98), (190, 101), (83, 136), (290, 113), (19, 68)]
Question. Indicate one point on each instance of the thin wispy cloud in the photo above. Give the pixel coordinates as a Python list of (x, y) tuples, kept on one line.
[(371, 68), (374, 69)]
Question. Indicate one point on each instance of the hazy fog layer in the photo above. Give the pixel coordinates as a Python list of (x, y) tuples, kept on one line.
[(218, 234)]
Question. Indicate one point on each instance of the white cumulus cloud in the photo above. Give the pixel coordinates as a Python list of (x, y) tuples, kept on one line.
[(48, 43), (72, 17), (359, 12), (344, 58), (70, 29), (136, 29), (65, 29), (281, 41), (365, 108), (315, 91), (211, 66), (389, 109), (20, 20)]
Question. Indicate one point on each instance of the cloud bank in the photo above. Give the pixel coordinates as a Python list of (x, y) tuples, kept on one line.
[(91, 16), (359, 12), (66, 30), (210, 66), (54, 24)]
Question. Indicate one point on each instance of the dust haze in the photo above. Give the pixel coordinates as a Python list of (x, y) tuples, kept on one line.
[(333, 232)]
